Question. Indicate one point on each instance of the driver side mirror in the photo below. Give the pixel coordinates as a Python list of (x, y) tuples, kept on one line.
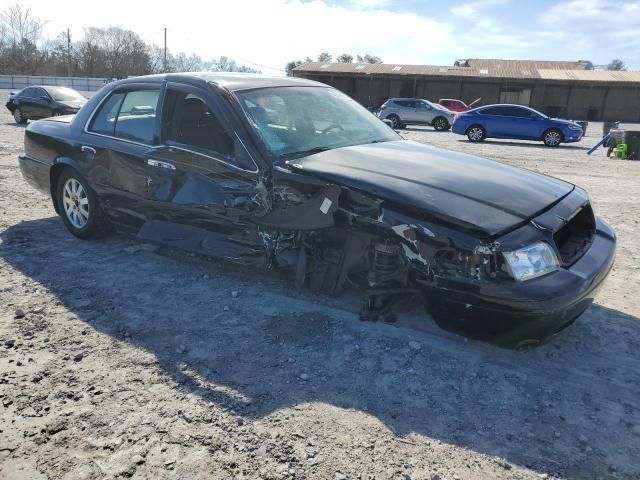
[(45, 98)]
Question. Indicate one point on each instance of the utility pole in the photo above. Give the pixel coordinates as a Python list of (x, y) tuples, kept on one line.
[(165, 49), (68, 53)]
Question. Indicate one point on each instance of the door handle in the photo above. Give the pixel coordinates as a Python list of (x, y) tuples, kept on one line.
[(160, 164), (87, 149)]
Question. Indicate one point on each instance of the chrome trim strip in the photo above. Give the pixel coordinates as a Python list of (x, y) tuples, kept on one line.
[(216, 159), (152, 162)]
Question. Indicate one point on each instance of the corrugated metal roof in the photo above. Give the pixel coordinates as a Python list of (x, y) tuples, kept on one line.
[(590, 75), (518, 65), (523, 71)]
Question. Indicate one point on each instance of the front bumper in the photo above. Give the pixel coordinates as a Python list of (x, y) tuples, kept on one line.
[(514, 314)]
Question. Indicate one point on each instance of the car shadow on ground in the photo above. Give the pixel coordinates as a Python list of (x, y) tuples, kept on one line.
[(562, 146), (14, 124), (570, 405)]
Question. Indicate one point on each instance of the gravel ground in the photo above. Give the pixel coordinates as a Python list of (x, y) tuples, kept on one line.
[(119, 359)]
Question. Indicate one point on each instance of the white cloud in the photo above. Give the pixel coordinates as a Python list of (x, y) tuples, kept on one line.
[(476, 8), (269, 33), (263, 32)]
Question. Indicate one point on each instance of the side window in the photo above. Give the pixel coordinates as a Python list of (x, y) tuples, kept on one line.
[(104, 121), (189, 122), (39, 93), (137, 116), (495, 111), (28, 92), (518, 112)]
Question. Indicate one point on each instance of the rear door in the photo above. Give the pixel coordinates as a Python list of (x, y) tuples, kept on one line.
[(28, 102), (115, 141), (200, 175)]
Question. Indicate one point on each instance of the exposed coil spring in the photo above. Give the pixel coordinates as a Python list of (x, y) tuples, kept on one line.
[(387, 264)]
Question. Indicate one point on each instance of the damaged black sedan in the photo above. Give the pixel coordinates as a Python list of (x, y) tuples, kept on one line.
[(246, 167)]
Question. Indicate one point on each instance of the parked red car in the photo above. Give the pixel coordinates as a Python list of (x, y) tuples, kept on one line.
[(457, 105)]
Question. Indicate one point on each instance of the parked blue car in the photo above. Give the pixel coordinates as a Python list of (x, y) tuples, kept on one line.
[(515, 121)]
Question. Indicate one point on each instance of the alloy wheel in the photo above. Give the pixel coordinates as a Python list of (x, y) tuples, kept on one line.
[(440, 124), (75, 203), (552, 138), (475, 134)]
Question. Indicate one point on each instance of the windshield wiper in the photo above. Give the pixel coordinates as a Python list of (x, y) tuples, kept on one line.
[(304, 153)]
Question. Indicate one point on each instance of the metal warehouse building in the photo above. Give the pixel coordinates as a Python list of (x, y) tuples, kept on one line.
[(559, 89)]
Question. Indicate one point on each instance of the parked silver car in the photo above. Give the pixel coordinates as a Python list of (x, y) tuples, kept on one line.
[(416, 111)]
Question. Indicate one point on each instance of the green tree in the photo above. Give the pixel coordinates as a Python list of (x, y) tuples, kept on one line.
[(345, 58), (325, 57), (368, 59), (290, 66)]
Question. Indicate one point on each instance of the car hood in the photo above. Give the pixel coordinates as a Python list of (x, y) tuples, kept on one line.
[(73, 103), (471, 192), (565, 122)]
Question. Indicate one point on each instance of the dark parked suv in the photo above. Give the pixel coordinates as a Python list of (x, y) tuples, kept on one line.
[(297, 175)]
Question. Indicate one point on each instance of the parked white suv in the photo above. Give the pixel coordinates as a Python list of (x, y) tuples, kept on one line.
[(416, 111)]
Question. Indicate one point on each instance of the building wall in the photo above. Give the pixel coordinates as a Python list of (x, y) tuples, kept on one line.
[(574, 100)]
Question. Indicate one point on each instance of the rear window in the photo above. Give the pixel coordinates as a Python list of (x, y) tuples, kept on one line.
[(105, 120), (129, 115)]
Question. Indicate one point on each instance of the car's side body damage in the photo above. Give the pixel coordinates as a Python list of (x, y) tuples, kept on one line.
[(395, 219)]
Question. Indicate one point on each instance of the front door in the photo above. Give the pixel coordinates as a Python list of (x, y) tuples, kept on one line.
[(201, 175)]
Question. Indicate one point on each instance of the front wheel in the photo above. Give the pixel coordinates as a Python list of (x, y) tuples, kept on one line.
[(78, 205), (441, 124), (552, 137), (395, 121), (18, 116), (476, 133)]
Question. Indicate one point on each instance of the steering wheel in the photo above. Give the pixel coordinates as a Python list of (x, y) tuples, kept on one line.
[(333, 126)]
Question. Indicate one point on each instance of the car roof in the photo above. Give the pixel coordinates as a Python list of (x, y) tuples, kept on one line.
[(232, 81)]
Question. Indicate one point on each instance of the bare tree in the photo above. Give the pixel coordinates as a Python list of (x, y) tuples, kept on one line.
[(23, 50), (616, 64)]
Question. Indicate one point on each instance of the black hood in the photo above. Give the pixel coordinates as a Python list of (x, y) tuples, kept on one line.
[(72, 103), (473, 192)]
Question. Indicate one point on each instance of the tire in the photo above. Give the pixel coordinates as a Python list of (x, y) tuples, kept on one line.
[(552, 137), (18, 117), (476, 133), (440, 124), (395, 120), (78, 205)]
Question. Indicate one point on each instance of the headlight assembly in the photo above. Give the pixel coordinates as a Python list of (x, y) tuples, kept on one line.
[(532, 261)]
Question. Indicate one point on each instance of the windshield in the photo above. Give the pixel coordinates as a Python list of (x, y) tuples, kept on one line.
[(435, 105), (63, 94), (298, 121)]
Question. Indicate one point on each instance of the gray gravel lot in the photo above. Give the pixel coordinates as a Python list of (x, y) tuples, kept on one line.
[(123, 360)]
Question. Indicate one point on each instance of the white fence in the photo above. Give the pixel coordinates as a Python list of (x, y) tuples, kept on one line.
[(78, 83)]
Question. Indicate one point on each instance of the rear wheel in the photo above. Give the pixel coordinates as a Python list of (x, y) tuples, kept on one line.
[(441, 124), (476, 133), (552, 137), (78, 205), (19, 117)]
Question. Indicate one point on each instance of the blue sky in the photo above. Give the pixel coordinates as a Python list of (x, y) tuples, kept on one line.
[(269, 33)]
